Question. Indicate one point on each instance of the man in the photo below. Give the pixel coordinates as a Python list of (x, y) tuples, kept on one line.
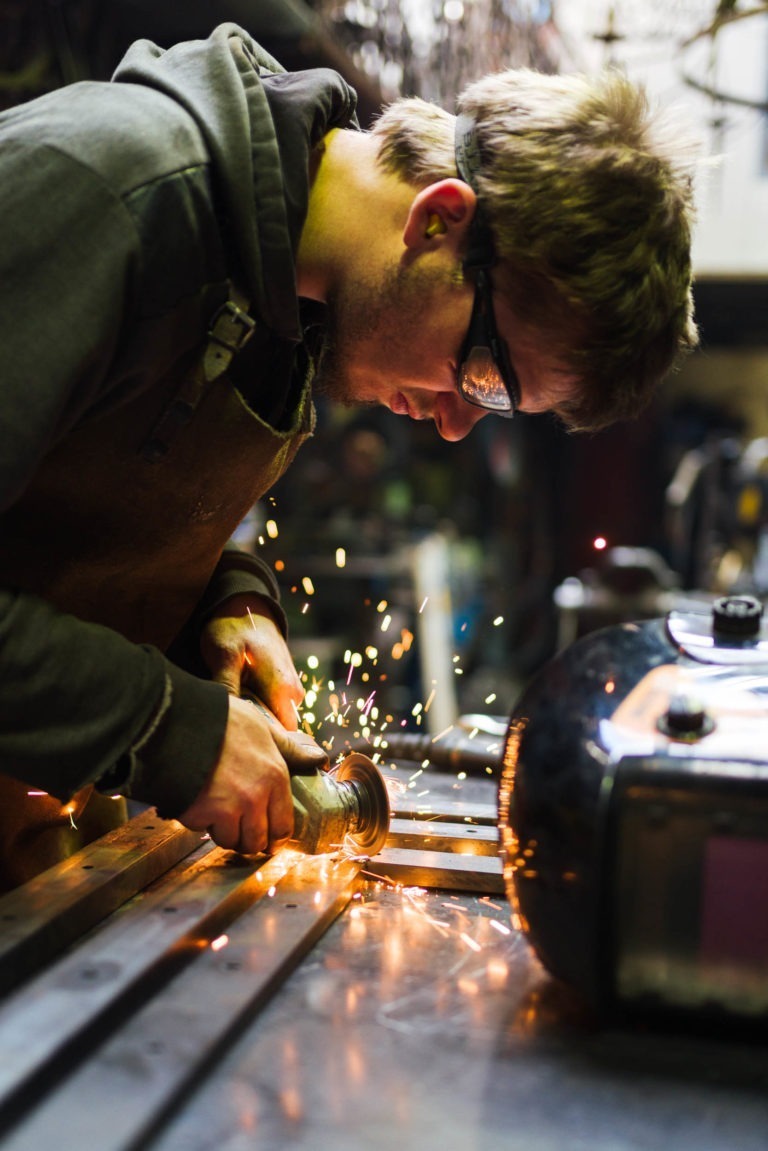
[(185, 249)]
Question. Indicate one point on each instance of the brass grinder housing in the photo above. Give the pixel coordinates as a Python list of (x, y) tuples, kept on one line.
[(344, 808)]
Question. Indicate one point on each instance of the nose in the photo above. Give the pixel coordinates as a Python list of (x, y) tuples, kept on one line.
[(455, 418)]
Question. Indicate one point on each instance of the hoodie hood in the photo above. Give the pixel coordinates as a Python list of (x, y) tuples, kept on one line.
[(260, 124)]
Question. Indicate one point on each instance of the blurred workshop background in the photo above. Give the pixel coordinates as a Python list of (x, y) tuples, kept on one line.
[(434, 579)]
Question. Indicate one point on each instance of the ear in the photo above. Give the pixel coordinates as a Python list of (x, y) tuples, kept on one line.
[(441, 212)]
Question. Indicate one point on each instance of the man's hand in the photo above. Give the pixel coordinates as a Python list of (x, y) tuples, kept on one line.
[(246, 802), (244, 649)]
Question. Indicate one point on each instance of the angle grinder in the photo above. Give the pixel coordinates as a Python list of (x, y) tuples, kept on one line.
[(343, 808)]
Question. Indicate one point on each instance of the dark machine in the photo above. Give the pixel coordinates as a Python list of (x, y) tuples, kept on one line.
[(633, 812)]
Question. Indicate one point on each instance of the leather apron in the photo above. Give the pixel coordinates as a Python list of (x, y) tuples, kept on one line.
[(113, 538)]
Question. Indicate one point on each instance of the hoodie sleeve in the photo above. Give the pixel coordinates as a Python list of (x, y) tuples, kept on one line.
[(76, 699), (79, 703)]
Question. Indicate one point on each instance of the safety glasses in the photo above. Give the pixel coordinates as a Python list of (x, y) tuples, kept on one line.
[(485, 376)]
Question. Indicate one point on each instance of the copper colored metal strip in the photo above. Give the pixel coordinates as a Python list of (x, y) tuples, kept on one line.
[(437, 869), (130, 1085), (444, 810), (77, 1000), (41, 918), (467, 840)]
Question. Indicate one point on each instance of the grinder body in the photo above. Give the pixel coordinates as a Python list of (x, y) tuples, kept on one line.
[(346, 808)]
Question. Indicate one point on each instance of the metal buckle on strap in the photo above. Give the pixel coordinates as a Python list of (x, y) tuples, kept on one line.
[(231, 327)]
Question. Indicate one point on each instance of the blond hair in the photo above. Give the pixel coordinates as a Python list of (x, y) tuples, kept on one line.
[(589, 196)]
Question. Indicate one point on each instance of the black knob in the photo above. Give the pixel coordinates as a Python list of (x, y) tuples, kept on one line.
[(737, 616), (685, 718)]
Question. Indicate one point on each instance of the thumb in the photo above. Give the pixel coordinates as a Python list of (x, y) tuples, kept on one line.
[(300, 751)]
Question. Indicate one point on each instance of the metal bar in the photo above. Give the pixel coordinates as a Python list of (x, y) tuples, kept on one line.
[(473, 751), (445, 810), (471, 873), (135, 1081), (79, 998), (434, 835), (41, 918)]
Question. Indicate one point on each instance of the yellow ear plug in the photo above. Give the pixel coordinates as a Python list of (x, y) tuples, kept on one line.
[(435, 226)]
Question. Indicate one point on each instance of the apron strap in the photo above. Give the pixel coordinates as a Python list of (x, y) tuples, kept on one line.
[(230, 330)]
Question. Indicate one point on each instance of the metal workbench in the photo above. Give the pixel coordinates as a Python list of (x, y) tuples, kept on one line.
[(164, 994)]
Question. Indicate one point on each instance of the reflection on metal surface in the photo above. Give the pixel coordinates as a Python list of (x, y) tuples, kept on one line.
[(463, 945), (696, 635), (188, 998), (249, 1018)]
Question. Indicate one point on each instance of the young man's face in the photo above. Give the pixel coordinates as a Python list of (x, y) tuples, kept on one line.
[(397, 344)]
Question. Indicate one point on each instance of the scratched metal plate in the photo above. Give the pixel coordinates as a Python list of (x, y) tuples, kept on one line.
[(140, 1059)]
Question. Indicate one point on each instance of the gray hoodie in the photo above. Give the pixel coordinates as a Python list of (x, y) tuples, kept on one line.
[(129, 209)]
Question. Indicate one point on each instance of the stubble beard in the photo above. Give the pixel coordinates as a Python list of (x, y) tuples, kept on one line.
[(356, 317), (376, 322)]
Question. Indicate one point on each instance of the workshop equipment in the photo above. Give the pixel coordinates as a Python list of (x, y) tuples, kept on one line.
[(134, 1011), (162, 993), (717, 516), (344, 808), (633, 814)]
